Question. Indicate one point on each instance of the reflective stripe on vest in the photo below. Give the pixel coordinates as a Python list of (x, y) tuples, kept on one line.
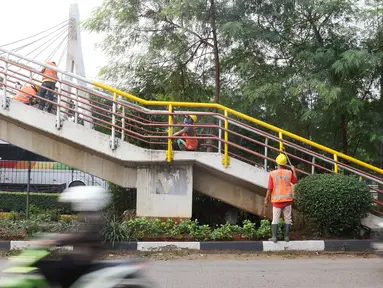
[(26, 93), (283, 191), (191, 144), (51, 73)]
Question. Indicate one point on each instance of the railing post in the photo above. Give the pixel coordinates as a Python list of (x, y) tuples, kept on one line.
[(335, 163), (113, 136), (76, 108), (312, 166), (266, 151), (169, 153), (280, 142), (58, 110), (123, 124), (225, 159), (5, 103), (219, 136)]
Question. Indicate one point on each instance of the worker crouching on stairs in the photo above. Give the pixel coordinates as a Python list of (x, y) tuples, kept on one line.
[(281, 192), (187, 144), (26, 94)]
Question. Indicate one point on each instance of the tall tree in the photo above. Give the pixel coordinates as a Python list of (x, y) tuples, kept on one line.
[(309, 69), (164, 49)]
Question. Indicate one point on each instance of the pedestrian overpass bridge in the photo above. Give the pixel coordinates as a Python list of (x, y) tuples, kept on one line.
[(126, 140)]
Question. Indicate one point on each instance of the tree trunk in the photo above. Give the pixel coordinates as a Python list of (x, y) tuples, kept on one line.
[(217, 68), (217, 90)]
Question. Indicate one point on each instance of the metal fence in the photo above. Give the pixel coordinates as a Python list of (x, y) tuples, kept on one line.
[(44, 176)]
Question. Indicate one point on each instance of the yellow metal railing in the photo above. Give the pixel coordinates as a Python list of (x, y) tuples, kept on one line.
[(228, 111)]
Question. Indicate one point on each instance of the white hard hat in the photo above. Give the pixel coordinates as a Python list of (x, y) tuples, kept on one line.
[(86, 198)]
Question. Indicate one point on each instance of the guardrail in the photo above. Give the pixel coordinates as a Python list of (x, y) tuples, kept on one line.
[(223, 130)]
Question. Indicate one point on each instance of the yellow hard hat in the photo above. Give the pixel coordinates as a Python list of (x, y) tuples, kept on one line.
[(281, 159), (194, 117), (37, 88)]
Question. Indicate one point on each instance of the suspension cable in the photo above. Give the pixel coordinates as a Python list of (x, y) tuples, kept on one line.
[(61, 28), (35, 34), (30, 43), (50, 42), (62, 53), (56, 49)]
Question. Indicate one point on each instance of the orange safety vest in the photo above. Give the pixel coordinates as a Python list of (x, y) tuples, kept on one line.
[(51, 73), (25, 95), (283, 190), (191, 144)]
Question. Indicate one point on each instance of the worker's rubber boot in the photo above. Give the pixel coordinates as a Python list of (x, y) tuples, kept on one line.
[(287, 231), (274, 231)]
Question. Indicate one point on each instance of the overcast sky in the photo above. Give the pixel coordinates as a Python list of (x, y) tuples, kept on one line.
[(23, 18)]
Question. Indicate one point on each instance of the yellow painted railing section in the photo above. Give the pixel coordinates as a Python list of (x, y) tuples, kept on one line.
[(226, 111)]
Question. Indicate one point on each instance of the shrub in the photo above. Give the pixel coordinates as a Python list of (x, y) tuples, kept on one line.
[(225, 232), (137, 228), (201, 233), (264, 230), (248, 230), (184, 228), (114, 231), (333, 203), (16, 201)]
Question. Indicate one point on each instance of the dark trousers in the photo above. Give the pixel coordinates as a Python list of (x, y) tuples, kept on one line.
[(63, 272), (50, 94)]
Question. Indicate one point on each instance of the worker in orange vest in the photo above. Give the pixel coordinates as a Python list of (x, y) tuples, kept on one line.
[(26, 94), (281, 192), (49, 81), (189, 144)]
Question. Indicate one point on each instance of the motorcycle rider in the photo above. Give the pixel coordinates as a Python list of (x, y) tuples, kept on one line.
[(87, 242)]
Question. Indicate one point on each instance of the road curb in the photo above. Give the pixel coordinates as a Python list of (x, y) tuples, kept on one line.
[(259, 246)]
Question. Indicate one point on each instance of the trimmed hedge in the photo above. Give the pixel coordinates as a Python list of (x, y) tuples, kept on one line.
[(334, 204), (16, 201)]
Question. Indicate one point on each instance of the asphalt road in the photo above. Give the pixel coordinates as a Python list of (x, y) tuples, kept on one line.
[(269, 273), (286, 273)]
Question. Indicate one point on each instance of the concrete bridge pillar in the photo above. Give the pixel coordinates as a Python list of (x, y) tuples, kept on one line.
[(165, 191)]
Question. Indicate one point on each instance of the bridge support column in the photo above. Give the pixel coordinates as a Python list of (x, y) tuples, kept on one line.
[(165, 191)]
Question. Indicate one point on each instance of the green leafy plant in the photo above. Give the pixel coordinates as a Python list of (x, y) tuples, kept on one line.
[(137, 229), (264, 230), (333, 204), (114, 231), (184, 228), (225, 232), (248, 230), (14, 216), (201, 233)]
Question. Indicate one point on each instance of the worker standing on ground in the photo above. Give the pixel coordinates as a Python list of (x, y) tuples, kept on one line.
[(26, 94), (281, 192), (189, 144), (49, 81)]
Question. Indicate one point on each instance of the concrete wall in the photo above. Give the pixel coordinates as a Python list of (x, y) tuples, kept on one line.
[(165, 191)]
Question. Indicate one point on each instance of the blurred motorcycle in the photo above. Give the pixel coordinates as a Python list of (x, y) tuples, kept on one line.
[(22, 272)]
